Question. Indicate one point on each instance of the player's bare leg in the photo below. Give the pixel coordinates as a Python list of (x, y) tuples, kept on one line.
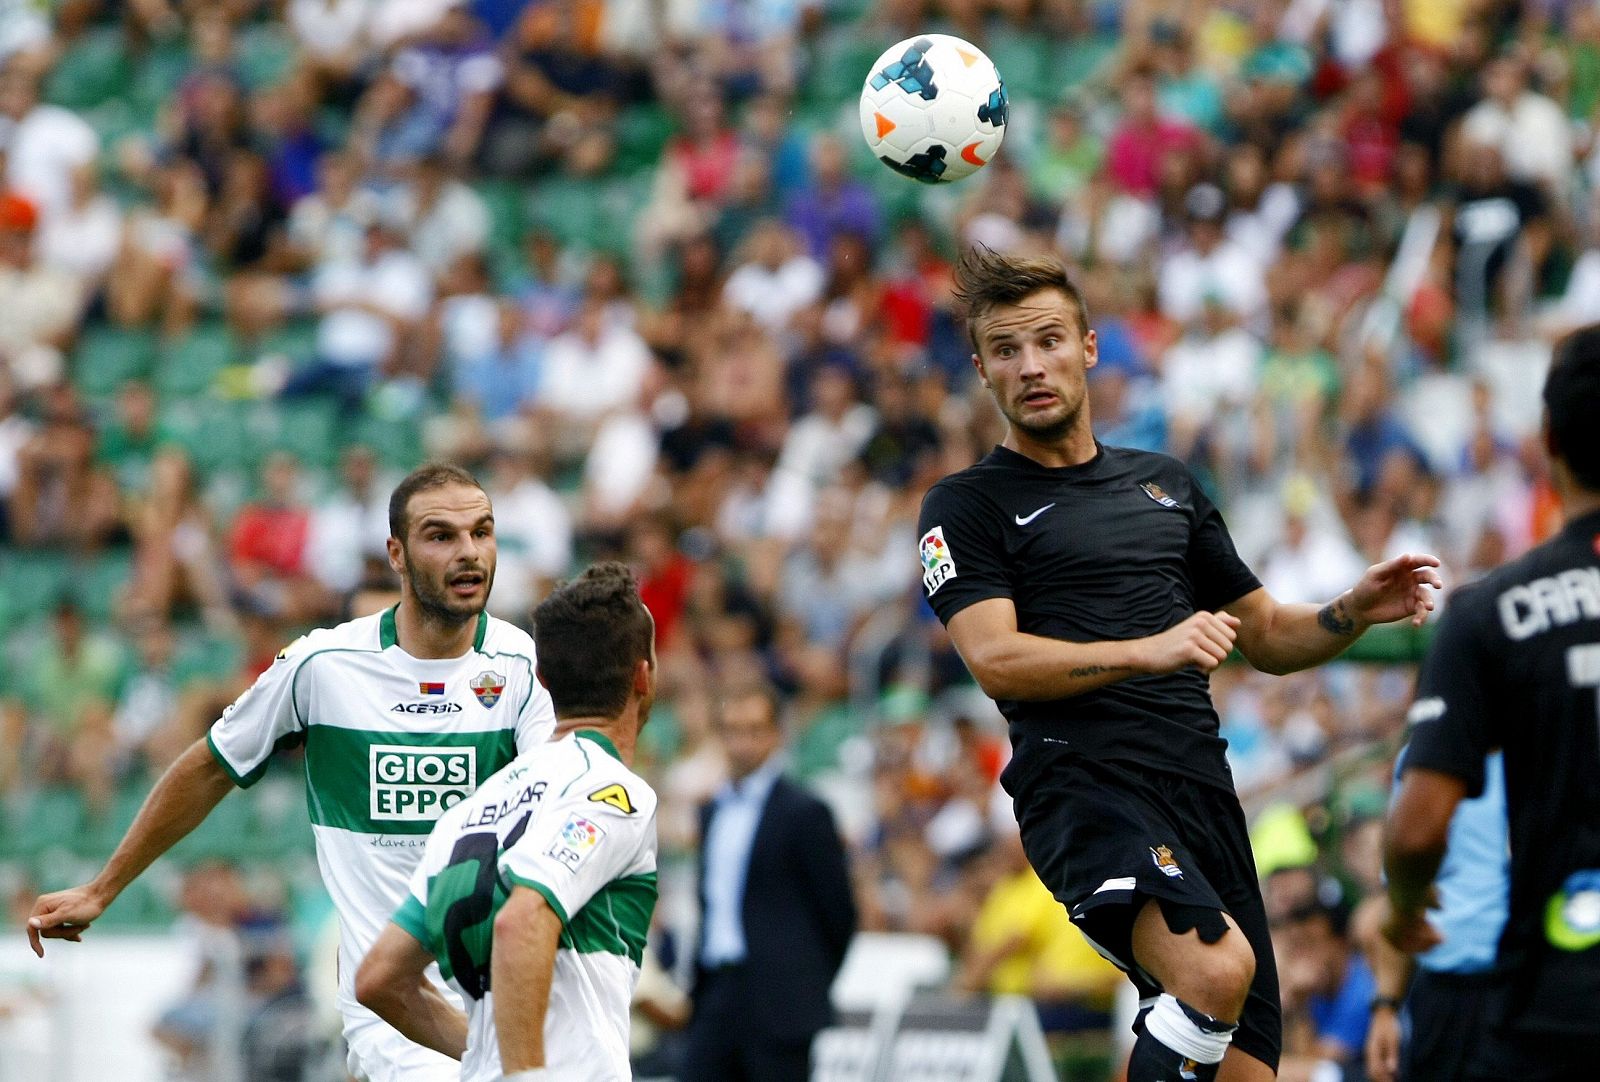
[(1205, 986)]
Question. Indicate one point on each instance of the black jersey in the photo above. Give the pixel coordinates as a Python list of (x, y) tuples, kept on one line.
[(1123, 546), (1516, 665)]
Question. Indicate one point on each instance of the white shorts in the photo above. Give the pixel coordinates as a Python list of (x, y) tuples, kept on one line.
[(379, 1054)]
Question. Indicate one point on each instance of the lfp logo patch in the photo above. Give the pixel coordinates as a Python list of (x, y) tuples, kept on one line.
[(418, 784), (487, 686), (578, 838), (938, 566)]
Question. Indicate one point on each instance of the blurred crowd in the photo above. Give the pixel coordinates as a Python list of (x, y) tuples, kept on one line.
[(632, 264)]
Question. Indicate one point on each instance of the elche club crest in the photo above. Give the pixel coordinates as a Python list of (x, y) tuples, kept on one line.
[(488, 687)]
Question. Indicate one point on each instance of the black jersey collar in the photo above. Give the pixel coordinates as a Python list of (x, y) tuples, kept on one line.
[(1584, 524), (1007, 457)]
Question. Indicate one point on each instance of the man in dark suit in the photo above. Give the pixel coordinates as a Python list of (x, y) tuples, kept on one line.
[(776, 910)]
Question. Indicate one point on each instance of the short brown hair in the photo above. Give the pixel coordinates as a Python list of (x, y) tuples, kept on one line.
[(429, 476), (985, 279), (589, 635)]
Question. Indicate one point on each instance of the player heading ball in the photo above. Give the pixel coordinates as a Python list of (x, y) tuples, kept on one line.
[(1091, 589)]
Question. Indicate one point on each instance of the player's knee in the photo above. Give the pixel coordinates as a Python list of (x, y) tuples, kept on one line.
[(1220, 976)]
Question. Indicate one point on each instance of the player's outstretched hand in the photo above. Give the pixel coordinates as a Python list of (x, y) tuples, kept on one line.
[(1396, 589), (1204, 640), (66, 914)]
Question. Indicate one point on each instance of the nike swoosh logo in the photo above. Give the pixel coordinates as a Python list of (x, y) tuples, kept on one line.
[(1024, 521)]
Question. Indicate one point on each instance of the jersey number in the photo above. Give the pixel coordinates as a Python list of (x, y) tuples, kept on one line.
[(469, 894)]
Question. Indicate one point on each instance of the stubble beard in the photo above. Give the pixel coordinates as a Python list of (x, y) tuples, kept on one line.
[(1047, 431), (434, 604)]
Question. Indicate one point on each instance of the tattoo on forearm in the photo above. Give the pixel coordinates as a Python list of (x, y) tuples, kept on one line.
[(1096, 670), (1335, 619)]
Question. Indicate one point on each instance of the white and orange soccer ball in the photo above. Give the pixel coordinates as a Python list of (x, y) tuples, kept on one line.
[(934, 108)]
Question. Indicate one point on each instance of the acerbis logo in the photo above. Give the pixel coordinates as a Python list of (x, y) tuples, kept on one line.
[(410, 783), (425, 708)]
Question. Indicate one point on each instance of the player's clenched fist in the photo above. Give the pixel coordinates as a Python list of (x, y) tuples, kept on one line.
[(1204, 640)]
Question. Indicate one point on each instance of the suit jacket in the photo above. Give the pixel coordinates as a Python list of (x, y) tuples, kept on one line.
[(798, 913)]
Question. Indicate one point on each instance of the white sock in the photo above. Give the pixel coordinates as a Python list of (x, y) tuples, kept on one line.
[(1170, 1024)]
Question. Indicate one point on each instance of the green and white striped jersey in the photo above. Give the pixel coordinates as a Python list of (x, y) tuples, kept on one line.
[(570, 821), (391, 742)]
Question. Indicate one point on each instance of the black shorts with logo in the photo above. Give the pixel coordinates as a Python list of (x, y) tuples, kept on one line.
[(1107, 837)]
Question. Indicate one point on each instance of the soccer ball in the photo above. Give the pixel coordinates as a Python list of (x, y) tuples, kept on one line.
[(934, 108)]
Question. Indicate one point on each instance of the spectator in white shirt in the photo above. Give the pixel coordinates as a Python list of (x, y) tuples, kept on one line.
[(593, 368), (1210, 264), (369, 308), (332, 35), (533, 529), (83, 238), (1531, 132), (817, 448), (777, 278), (350, 525), (46, 145), (444, 217)]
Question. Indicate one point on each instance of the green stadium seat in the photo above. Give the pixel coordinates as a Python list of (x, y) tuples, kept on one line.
[(1023, 62), (296, 340), (266, 54), (31, 582), (189, 365), (52, 818), (1076, 61), (107, 356), (840, 63), (99, 582), (396, 442), (642, 132), (307, 429), (162, 69), (94, 70), (211, 431), (505, 200)]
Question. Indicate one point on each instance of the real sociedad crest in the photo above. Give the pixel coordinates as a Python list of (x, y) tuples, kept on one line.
[(487, 686)]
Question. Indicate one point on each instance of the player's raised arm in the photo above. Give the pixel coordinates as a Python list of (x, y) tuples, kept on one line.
[(1011, 664), (1280, 638), (184, 796)]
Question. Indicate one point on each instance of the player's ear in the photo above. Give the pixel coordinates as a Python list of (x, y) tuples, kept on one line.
[(538, 674), (641, 677), (1091, 350), (977, 362), (397, 556)]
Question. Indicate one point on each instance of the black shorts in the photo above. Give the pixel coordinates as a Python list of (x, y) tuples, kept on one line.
[(1504, 1054), (1105, 838), (1443, 1019)]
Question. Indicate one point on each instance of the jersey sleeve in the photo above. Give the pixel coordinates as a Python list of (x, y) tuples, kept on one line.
[(581, 843), (265, 719), (1220, 577), (962, 551), (537, 718), (1452, 732)]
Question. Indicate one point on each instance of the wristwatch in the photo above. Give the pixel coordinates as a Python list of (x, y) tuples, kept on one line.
[(1385, 1003)]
